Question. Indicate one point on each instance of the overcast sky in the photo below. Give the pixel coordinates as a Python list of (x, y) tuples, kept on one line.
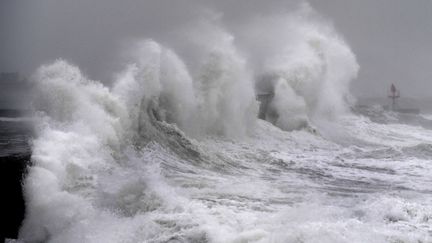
[(392, 39)]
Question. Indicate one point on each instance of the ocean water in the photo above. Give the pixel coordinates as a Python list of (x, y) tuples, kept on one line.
[(173, 150), (15, 135)]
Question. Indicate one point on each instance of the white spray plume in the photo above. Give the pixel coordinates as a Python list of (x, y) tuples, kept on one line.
[(80, 149), (289, 107), (306, 52), (156, 74), (223, 81)]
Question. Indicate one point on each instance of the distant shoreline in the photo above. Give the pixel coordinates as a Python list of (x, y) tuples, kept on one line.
[(14, 113)]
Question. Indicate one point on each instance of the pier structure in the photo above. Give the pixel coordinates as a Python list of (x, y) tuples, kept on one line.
[(265, 99)]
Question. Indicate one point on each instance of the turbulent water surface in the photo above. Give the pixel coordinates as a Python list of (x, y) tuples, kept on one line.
[(173, 150)]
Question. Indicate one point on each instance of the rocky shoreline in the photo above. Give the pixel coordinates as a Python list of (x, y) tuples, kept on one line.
[(13, 169)]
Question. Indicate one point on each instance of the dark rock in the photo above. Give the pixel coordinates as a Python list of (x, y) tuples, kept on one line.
[(12, 172)]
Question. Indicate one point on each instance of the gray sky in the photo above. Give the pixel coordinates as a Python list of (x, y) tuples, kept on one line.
[(392, 39)]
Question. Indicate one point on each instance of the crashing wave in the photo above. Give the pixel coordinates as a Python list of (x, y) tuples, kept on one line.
[(98, 150)]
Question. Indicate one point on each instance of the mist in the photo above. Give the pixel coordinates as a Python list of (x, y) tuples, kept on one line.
[(391, 39)]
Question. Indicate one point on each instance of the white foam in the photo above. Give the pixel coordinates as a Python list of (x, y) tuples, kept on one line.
[(308, 54), (114, 165)]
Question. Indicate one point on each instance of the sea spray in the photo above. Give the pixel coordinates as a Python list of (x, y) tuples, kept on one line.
[(309, 55), (80, 131), (215, 96), (223, 81), (156, 77), (117, 164), (89, 128), (289, 108)]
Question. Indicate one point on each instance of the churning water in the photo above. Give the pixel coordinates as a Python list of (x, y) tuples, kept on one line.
[(173, 150)]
